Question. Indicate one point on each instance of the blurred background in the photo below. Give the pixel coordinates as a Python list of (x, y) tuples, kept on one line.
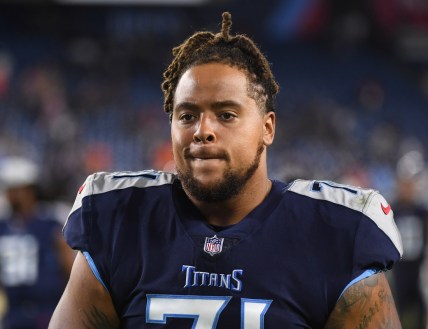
[(80, 92), (80, 85)]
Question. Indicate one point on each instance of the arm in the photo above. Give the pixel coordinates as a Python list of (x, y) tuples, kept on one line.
[(368, 304), (85, 303)]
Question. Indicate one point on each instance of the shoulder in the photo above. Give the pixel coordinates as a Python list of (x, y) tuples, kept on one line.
[(368, 202), (103, 182), (353, 197)]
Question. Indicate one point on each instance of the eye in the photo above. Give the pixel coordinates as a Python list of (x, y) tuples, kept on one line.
[(227, 116), (186, 117)]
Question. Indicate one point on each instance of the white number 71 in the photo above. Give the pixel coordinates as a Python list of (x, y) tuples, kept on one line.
[(205, 310)]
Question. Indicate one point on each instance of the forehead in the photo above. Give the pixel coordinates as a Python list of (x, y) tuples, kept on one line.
[(211, 80)]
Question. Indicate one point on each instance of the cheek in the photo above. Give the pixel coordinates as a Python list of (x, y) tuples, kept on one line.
[(176, 149), (250, 137), (178, 141), (245, 150), (175, 137), (247, 147)]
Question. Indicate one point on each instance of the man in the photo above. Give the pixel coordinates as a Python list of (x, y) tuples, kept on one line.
[(220, 245), (35, 261)]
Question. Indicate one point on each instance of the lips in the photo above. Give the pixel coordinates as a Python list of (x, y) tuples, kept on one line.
[(206, 157), (205, 154)]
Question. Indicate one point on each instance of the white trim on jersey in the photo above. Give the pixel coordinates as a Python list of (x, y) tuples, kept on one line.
[(102, 182), (369, 202)]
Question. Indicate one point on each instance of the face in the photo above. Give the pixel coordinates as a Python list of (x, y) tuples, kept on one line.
[(20, 197), (219, 134)]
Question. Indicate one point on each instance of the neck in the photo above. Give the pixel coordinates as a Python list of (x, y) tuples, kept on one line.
[(24, 214), (232, 211)]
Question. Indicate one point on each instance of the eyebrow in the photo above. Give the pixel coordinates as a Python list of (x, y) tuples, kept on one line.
[(215, 105), (186, 105), (225, 103)]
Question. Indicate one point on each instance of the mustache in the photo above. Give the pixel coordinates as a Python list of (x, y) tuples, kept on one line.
[(206, 154)]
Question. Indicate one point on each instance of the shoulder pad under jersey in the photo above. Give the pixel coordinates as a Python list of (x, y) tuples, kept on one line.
[(102, 182), (367, 201)]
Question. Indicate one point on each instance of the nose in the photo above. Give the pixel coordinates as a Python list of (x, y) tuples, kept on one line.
[(204, 132)]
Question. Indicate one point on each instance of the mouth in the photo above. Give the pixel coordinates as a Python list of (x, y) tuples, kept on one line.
[(205, 155), (206, 158)]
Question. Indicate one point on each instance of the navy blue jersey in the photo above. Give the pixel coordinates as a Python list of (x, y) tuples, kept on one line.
[(284, 265), (30, 271)]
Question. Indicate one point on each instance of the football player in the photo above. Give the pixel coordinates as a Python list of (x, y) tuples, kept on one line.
[(35, 261), (219, 244)]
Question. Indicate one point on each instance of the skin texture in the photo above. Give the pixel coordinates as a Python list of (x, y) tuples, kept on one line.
[(218, 128), (85, 303), (366, 304)]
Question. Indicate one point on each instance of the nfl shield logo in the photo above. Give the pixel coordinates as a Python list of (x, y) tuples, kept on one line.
[(213, 245)]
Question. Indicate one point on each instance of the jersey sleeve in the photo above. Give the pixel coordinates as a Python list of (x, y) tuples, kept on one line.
[(78, 225), (96, 212), (377, 241), (90, 225), (102, 212)]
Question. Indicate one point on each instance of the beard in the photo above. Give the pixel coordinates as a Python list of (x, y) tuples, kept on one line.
[(224, 188)]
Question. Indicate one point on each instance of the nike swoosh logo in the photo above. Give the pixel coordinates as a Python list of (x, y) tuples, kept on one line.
[(386, 209), (81, 188)]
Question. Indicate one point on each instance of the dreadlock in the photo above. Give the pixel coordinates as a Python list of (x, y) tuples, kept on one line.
[(238, 51)]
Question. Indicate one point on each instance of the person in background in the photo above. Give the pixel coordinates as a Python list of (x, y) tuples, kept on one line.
[(412, 222), (35, 261)]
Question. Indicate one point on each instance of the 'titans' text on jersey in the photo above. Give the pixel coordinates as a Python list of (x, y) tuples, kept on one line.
[(284, 265), (197, 278)]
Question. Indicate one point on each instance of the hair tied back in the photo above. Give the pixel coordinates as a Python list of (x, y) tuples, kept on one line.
[(226, 25)]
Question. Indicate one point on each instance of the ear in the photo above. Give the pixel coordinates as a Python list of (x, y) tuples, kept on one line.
[(269, 128)]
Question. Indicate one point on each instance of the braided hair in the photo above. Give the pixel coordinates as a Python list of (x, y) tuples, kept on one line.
[(237, 51)]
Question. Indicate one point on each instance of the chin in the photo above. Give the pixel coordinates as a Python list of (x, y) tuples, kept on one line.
[(208, 178)]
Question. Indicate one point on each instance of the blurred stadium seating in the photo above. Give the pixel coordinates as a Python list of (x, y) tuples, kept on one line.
[(80, 86)]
